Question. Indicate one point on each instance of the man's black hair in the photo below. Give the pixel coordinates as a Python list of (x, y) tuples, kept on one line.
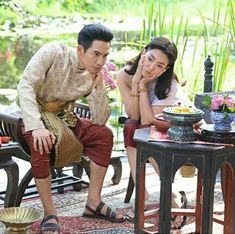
[(92, 32)]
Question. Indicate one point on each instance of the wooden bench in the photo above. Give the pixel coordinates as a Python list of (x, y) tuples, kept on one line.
[(11, 126)]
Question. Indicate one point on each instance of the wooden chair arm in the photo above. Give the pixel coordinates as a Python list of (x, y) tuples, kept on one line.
[(11, 126)]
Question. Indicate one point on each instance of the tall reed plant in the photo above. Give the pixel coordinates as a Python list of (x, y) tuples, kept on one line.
[(179, 29), (221, 51)]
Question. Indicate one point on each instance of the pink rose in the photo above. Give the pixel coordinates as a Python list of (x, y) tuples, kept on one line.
[(216, 102), (111, 66), (108, 79), (230, 102)]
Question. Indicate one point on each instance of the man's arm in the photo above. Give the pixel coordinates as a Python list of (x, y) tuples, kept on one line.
[(33, 76), (30, 84), (98, 102)]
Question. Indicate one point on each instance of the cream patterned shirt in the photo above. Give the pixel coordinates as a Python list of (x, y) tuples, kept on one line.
[(52, 75)]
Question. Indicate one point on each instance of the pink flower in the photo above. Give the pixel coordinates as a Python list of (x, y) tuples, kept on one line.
[(223, 103), (230, 102), (217, 101), (111, 66), (108, 79)]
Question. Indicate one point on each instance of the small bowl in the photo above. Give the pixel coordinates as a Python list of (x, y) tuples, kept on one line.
[(19, 219), (5, 139), (160, 123), (188, 171)]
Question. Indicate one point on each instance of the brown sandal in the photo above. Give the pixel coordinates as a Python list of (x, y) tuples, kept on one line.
[(110, 215), (46, 227)]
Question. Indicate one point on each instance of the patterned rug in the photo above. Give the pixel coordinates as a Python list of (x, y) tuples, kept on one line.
[(79, 224), (70, 207)]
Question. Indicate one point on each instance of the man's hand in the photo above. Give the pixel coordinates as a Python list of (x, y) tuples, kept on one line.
[(99, 79), (43, 140)]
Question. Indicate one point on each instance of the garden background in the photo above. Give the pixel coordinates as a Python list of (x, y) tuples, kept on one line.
[(199, 28)]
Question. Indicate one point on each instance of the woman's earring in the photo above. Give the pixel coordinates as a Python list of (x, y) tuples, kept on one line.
[(165, 69)]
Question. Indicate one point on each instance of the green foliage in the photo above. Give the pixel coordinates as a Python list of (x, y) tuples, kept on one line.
[(207, 100), (67, 5), (179, 20), (179, 29), (197, 27), (7, 14)]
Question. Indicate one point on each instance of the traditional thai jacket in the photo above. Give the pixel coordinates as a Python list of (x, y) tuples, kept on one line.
[(53, 75)]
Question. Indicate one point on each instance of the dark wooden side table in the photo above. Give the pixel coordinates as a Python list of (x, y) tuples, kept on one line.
[(170, 157), (12, 172), (208, 133)]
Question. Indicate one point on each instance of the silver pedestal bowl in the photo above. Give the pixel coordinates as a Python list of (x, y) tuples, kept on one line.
[(182, 124), (19, 219)]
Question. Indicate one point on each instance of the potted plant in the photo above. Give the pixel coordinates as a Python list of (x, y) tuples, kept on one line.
[(222, 110)]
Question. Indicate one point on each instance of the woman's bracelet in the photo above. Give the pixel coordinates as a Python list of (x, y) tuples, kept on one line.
[(138, 92), (143, 90), (134, 94)]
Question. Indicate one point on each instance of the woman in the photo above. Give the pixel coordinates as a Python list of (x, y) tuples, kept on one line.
[(148, 84)]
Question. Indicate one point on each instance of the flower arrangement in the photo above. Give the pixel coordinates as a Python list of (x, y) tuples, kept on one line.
[(108, 70), (219, 102)]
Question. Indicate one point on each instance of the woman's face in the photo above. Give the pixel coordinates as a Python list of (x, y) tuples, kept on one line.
[(154, 64)]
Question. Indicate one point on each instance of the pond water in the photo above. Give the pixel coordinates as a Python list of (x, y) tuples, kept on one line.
[(16, 51)]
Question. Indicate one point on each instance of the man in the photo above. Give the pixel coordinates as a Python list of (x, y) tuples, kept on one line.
[(54, 78)]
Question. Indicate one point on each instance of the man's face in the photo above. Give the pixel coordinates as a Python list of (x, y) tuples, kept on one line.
[(95, 57)]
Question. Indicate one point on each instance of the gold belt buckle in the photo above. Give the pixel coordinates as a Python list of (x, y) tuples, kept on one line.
[(53, 107)]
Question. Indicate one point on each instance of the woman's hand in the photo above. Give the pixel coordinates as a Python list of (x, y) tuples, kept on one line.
[(145, 80), (138, 74)]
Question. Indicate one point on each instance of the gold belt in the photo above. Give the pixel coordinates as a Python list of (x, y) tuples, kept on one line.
[(53, 107), (65, 111)]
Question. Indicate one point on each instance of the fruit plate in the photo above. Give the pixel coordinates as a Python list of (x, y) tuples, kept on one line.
[(182, 124), (188, 111)]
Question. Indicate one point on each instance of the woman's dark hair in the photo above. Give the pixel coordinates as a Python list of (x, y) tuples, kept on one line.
[(92, 32), (163, 84)]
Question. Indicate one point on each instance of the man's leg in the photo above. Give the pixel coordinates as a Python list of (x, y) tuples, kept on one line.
[(96, 183), (44, 191), (41, 172), (97, 145)]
